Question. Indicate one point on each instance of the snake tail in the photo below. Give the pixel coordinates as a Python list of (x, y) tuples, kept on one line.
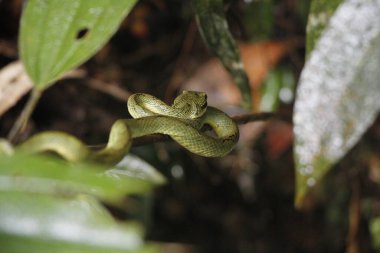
[(65, 145)]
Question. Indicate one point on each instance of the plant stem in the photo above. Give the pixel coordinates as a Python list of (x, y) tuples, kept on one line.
[(23, 119)]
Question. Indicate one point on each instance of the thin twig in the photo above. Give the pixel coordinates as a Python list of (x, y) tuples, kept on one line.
[(111, 89), (246, 118), (23, 119)]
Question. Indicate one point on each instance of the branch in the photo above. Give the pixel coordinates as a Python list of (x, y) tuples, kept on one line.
[(240, 120), (247, 118)]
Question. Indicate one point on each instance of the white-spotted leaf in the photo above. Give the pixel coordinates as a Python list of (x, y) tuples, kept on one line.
[(338, 93)]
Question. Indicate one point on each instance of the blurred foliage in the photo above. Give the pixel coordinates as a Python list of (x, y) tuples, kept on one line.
[(242, 203), (214, 28), (47, 203), (259, 19), (375, 231), (279, 86)]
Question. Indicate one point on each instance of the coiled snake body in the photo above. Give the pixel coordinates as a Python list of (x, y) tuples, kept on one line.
[(183, 121)]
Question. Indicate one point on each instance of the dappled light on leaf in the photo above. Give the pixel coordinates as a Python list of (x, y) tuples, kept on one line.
[(338, 95), (37, 174), (36, 223)]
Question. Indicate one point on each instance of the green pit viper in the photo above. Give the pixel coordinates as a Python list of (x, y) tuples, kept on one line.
[(183, 121)]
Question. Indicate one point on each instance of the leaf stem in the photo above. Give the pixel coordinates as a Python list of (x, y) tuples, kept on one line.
[(23, 119)]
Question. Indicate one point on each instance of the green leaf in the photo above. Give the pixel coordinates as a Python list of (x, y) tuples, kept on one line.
[(319, 16), (259, 19), (338, 93), (37, 174), (214, 29), (6, 147), (43, 223), (374, 228), (56, 35), (278, 86), (134, 167)]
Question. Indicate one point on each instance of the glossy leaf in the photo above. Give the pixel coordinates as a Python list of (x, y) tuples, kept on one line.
[(43, 223), (319, 16), (338, 93), (213, 25), (37, 174), (56, 35)]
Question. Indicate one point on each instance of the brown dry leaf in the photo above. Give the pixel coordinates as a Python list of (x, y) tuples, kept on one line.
[(258, 59), (14, 83), (137, 21), (212, 78), (279, 138), (8, 49), (374, 168)]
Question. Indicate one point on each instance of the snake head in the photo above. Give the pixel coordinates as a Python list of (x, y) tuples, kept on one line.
[(192, 103)]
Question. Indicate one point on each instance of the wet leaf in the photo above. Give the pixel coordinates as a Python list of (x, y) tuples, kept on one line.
[(56, 35), (319, 16), (215, 32), (37, 174), (338, 94), (43, 223)]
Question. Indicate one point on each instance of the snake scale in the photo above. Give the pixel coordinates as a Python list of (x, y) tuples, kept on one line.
[(184, 121)]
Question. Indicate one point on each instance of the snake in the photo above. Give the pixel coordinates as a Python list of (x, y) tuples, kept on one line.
[(199, 128)]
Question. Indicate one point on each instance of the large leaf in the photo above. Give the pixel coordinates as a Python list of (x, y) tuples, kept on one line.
[(338, 94), (213, 25), (319, 16), (43, 223), (58, 35), (35, 174)]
